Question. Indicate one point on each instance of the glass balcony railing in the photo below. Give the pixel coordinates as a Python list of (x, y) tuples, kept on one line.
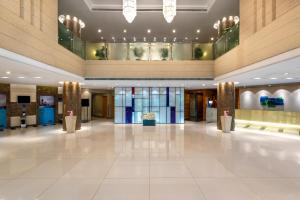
[(148, 51), (71, 42), (227, 41)]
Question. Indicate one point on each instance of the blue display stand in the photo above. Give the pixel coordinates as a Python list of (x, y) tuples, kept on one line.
[(147, 122), (2, 118), (46, 116)]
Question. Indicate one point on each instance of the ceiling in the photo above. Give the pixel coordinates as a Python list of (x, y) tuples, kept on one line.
[(15, 68), (112, 23), (284, 68)]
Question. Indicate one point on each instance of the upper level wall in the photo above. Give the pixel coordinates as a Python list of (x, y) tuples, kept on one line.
[(29, 28), (149, 69), (261, 40), (257, 14)]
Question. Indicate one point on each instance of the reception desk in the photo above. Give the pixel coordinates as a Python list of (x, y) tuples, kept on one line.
[(280, 120)]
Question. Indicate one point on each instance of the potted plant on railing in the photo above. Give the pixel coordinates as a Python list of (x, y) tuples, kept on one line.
[(198, 53), (101, 53), (138, 52), (164, 53)]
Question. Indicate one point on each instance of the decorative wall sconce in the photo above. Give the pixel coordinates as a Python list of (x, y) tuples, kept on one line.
[(74, 24), (225, 24)]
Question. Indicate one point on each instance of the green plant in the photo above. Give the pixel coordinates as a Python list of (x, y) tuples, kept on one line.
[(164, 53), (101, 53), (138, 52), (198, 53)]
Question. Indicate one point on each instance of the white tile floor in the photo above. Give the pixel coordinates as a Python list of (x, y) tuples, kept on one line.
[(104, 161)]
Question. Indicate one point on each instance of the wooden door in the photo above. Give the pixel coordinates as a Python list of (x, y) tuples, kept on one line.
[(104, 107)]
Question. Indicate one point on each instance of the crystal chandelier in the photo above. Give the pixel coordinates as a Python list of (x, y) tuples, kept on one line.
[(169, 10), (129, 10)]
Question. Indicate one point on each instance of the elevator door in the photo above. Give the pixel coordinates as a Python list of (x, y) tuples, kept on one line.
[(196, 107)]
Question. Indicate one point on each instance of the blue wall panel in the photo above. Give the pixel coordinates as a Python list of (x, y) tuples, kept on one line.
[(131, 103), (2, 118)]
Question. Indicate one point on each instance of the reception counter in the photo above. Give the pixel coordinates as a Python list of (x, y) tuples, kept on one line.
[(280, 120)]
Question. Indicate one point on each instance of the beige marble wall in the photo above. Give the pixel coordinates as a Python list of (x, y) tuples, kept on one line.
[(258, 42), (34, 33), (149, 69)]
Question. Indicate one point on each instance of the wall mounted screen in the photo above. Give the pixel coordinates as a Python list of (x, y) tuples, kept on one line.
[(47, 101), (23, 99), (2, 100), (166, 102)]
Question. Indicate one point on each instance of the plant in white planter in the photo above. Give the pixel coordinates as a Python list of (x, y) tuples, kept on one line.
[(198, 53), (164, 53), (101, 53), (138, 52)]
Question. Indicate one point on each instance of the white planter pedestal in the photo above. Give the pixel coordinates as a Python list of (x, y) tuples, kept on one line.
[(226, 123), (70, 124)]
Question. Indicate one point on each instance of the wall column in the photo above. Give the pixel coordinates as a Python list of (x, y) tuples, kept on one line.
[(72, 102), (226, 101)]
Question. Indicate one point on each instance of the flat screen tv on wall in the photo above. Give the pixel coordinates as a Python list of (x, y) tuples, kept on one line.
[(47, 101), (2, 100), (85, 102), (23, 99)]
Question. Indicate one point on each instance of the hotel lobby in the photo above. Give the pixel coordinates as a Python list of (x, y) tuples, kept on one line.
[(154, 100)]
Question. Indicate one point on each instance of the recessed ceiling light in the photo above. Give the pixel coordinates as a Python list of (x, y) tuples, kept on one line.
[(203, 84), (174, 39), (198, 30), (174, 31), (21, 77), (37, 77), (61, 82), (186, 38), (236, 83), (196, 38), (8, 72), (289, 78), (273, 78), (102, 38), (149, 31), (124, 31), (165, 39), (124, 38), (257, 78), (286, 74), (212, 39), (215, 83), (99, 30), (4, 77)]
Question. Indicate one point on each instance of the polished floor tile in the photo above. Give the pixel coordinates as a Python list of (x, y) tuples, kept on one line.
[(129, 169), (111, 162), (175, 188), (90, 168), (120, 189), (225, 188), (69, 188), (25, 189), (206, 166), (169, 169), (274, 189)]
